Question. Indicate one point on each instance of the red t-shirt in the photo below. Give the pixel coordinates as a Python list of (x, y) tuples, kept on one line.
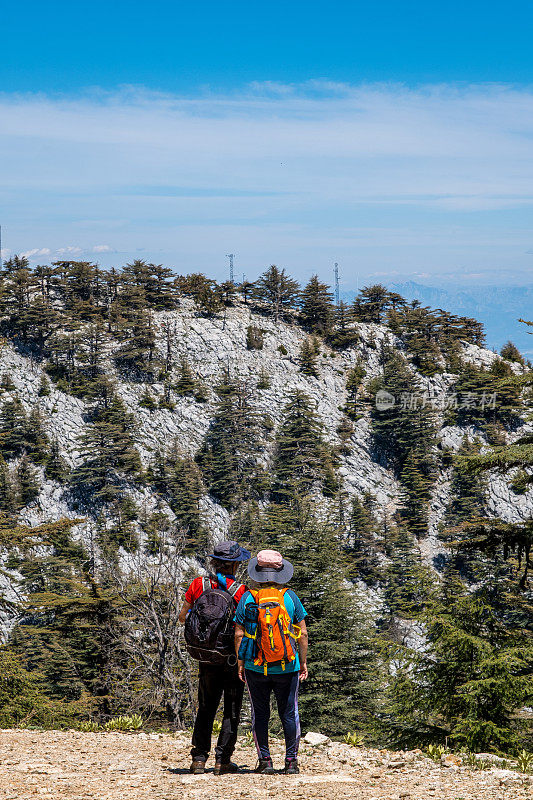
[(196, 588)]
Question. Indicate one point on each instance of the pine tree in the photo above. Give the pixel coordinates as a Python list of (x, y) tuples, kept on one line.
[(317, 307), (363, 545), (228, 457), (185, 489), (28, 484), (107, 448), (44, 387), (21, 434), (344, 334), (417, 478), (134, 326), (467, 490), (13, 427), (308, 358), (468, 683), (511, 352), (404, 438), (277, 291), (407, 580), (186, 384), (65, 632), (20, 694), (354, 381), (119, 530), (371, 303), (245, 288), (8, 500), (490, 400), (302, 458), (56, 468)]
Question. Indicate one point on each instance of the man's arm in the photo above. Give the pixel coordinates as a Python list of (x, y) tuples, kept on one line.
[(239, 633), (303, 642), (186, 607)]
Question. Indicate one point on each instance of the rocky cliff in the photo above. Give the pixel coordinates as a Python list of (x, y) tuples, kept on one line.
[(219, 343)]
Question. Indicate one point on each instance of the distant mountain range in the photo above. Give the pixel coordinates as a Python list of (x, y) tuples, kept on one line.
[(497, 307)]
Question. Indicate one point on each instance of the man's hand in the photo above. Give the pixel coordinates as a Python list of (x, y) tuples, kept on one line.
[(240, 669), (303, 672)]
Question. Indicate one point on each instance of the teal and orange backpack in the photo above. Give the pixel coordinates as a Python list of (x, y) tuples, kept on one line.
[(270, 628)]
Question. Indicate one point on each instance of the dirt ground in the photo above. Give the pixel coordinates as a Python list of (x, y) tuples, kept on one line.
[(114, 766)]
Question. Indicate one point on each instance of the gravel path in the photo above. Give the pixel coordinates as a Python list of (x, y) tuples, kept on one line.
[(112, 766)]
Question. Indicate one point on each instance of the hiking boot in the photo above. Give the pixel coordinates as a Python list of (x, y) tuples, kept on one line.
[(198, 767), (225, 769), (291, 766), (265, 766)]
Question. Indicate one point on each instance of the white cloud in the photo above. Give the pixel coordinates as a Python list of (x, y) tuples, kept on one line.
[(37, 251), (70, 250), (324, 165)]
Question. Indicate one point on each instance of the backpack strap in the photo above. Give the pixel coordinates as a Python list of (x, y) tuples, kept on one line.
[(234, 588), (206, 584)]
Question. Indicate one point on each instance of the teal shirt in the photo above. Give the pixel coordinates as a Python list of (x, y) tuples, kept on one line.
[(297, 613)]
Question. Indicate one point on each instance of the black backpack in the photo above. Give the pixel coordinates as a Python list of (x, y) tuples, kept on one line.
[(209, 628)]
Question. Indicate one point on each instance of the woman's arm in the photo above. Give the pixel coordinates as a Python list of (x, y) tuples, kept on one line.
[(239, 633)]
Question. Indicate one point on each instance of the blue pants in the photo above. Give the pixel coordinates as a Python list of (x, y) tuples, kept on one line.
[(285, 688)]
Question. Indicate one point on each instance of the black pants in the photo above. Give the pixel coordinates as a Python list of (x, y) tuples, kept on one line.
[(285, 688), (212, 683)]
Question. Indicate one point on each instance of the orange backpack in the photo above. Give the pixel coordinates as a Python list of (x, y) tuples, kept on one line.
[(275, 634)]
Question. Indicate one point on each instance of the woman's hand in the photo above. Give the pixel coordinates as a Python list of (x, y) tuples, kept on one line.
[(240, 669), (303, 672)]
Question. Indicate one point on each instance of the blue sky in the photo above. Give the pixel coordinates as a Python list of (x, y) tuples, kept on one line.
[(395, 138)]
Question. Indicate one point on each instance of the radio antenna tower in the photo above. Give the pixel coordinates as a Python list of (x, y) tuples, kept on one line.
[(337, 291), (231, 256)]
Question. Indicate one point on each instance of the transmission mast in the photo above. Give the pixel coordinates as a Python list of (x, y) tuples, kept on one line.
[(231, 256), (337, 291)]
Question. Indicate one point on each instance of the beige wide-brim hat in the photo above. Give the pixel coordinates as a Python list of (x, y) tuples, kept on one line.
[(269, 566)]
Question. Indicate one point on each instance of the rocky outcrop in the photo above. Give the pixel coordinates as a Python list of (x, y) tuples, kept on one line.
[(213, 345)]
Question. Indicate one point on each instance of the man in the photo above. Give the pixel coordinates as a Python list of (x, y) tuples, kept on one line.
[(215, 680), (276, 609)]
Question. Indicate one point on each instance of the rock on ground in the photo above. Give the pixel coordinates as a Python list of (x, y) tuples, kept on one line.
[(68, 765)]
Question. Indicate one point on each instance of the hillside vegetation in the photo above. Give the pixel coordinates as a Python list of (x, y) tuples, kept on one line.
[(144, 415)]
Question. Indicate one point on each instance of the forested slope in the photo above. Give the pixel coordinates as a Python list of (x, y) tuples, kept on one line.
[(144, 414)]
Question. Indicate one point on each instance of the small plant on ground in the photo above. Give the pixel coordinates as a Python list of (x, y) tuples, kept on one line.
[(217, 726), (472, 761), (89, 726), (131, 722), (353, 738), (524, 761), (249, 739), (435, 751)]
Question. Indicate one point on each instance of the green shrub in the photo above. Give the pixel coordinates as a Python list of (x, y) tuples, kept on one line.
[(254, 338), (148, 400)]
